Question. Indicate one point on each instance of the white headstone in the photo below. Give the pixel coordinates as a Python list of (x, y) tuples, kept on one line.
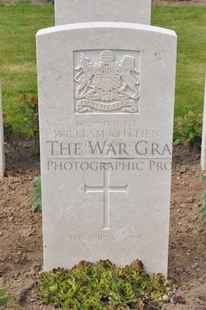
[(80, 11), (2, 157), (106, 98), (203, 149)]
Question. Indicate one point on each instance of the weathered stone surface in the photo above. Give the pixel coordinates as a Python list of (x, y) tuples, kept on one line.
[(106, 98), (81, 11)]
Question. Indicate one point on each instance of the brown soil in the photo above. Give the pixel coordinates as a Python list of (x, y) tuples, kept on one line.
[(21, 231)]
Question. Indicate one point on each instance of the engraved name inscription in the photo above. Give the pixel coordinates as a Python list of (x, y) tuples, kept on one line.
[(108, 85)]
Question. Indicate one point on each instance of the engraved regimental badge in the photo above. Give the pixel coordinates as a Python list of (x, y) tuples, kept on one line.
[(108, 82)]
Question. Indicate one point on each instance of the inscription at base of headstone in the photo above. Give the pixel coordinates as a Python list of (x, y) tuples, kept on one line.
[(106, 99), (2, 156), (81, 11), (203, 147)]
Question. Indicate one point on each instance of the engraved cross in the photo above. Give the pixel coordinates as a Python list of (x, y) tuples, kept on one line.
[(106, 189)]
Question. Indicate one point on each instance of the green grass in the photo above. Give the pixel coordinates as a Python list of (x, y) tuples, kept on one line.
[(18, 27), (19, 24), (4, 297), (189, 24)]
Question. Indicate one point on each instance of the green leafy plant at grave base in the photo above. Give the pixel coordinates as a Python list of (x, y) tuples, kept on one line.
[(202, 210), (5, 298), (103, 286), (8, 132), (30, 111), (36, 194), (188, 129)]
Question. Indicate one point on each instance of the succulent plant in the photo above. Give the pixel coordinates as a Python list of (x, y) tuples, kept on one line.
[(103, 286)]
